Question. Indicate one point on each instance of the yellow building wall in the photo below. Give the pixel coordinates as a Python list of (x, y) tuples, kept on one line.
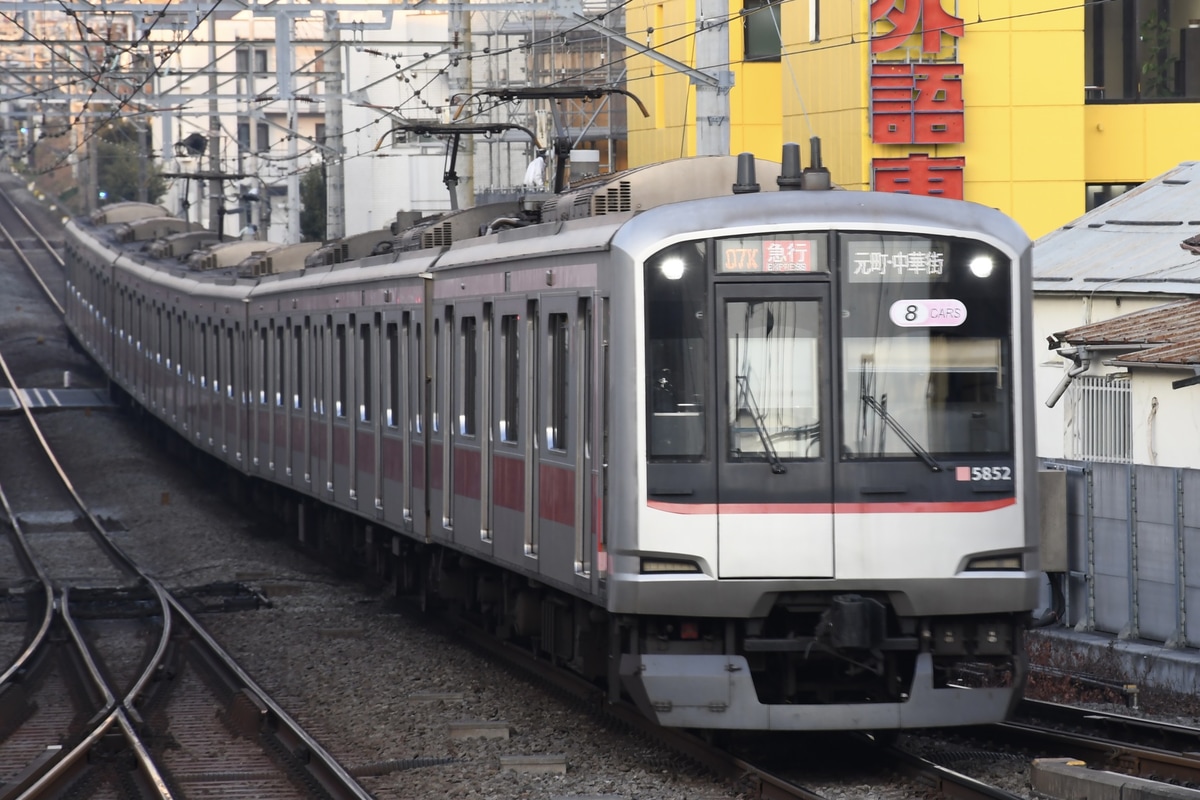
[(1133, 143), (1031, 144)]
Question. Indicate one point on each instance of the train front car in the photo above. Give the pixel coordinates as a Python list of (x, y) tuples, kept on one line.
[(825, 517)]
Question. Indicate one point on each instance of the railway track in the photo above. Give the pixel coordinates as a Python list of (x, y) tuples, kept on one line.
[(113, 683)]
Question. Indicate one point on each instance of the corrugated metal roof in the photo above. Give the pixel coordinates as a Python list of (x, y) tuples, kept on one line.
[(1130, 244), (1166, 335)]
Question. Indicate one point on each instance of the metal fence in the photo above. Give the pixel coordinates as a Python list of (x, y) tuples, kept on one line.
[(1099, 419), (1133, 551)]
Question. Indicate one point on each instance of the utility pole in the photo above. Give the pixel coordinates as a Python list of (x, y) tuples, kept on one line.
[(459, 80), (216, 193), (712, 101), (335, 169), (283, 79)]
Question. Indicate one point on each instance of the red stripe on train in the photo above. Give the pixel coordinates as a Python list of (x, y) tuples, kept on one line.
[(950, 507)]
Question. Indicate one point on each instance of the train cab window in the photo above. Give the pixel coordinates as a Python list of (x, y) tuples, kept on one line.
[(392, 335), (339, 367), (469, 381), (676, 284), (926, 365), (367, 373), (558, 341), (510, 376), (775, 380)]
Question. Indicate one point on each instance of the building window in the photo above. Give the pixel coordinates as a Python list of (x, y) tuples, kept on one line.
[(1141, 50), (263, 136), (1099, 419), (1100, 193), (761, 27)]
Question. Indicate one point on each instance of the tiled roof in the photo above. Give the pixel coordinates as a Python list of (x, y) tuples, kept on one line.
[(1168, 335)]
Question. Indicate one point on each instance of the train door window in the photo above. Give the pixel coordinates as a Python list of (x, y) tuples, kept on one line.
[(179, 345), (169, 341), (230, 369), (419, 384), (366, 373), (558, 341), (203, 339), (510, 374), (279, 361), (774, 380), (318, 371), (438, 371), (264, 366), (159, 335), (298, 370), (468, 413), (339, 372), (392, 337)]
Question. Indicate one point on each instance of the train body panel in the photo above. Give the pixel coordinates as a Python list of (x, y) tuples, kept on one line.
[(776, 448)]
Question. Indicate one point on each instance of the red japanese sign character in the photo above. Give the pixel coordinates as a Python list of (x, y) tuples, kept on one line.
[(919, 174), (929, 15)]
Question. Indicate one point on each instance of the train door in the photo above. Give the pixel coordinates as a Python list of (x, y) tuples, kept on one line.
[(509, 505), (316, 417), (464, 478), (341, 429), (775, 468), (365, 466), (416, 461), (392, 475), (446, 383), (559, 350)]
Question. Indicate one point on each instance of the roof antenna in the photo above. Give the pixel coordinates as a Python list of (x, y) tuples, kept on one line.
[(816, 176), (790, 177), (745, 175)]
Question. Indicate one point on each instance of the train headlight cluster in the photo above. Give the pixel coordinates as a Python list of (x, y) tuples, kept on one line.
[(659, 566), (981, 266), (997, 562), (672, 268)]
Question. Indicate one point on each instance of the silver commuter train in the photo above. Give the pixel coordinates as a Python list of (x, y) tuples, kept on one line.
[(761, 460)]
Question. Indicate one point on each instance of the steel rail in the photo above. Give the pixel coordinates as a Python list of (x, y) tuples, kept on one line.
[(12, 242)]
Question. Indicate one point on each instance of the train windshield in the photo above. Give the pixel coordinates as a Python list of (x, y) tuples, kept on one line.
[(925, 355)]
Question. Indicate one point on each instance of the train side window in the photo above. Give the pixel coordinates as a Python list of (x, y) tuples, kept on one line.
[(510, 374), (392, 336), (558, 342), (469, 366), (339, 406), (367, 373)]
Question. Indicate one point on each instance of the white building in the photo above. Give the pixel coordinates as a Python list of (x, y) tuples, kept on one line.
[(1118, 291)]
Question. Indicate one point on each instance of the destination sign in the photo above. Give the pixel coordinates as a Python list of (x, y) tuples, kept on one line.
[(766, 255)]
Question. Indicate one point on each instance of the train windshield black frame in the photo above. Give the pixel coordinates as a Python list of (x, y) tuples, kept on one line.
[(677, 353), (926, 360)]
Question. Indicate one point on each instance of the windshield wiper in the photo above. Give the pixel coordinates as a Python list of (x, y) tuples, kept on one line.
[(746, 397), (870, 402)]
